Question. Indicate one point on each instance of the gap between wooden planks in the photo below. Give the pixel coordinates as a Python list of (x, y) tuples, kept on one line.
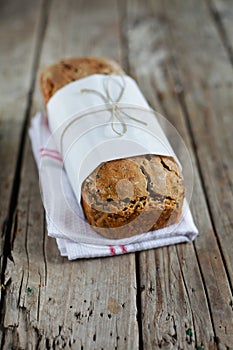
[(222, 13)]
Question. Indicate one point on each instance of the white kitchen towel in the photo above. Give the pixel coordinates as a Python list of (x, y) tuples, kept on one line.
[(65, 221)]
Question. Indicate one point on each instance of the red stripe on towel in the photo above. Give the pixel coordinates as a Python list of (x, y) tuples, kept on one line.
[(124, 249), (49, 150), (112, 250), (51, 156)]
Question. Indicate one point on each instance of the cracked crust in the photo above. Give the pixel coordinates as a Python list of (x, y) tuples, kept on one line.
[(129, 196), (123, 197)]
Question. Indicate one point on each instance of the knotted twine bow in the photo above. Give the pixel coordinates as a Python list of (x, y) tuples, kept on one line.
[(117, 112)]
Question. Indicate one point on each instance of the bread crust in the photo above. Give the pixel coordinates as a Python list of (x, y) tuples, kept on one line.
[(57, 75), (124, 197)]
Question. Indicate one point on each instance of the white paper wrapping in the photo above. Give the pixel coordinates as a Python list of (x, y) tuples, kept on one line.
[(82, 126)]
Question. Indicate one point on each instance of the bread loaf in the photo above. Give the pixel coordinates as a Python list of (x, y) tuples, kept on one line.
[(124, 197)]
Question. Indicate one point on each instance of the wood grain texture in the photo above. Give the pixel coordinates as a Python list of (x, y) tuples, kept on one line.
[(51, 303), (206, 100), (222, 14), (170, 66), (16, 71)]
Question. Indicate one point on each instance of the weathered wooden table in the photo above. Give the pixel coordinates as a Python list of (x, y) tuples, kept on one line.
[(177, 297)]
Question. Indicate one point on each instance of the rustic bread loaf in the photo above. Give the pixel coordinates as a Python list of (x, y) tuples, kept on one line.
[(123, 197)]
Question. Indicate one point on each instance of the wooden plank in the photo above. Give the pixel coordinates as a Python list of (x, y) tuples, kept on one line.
[(173, 295), (207, 98), (52, 303), (211, 102), (16, 63), (16, 70), (222, 13), (175, 57)]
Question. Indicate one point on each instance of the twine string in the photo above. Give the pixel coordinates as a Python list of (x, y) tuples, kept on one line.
[(117, 112)]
